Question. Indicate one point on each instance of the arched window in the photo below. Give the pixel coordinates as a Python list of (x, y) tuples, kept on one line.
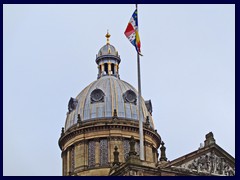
[(106, 68), (91, 153), (112, 68), (103, 152)]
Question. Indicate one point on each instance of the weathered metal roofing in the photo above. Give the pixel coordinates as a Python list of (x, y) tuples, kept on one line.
[(99, 99), (107, 49)]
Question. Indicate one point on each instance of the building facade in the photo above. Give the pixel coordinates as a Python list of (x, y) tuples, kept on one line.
[(101, 133)]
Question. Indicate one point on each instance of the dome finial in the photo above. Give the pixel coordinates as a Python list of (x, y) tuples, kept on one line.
[(108, 36)]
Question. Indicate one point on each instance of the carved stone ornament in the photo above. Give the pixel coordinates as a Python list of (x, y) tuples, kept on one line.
[(115, 117), (149, 106), (97, 95), (116, 157), (130, 97), (163, 152), (132, 143), (147, 121), (210, 163), (72, 104)]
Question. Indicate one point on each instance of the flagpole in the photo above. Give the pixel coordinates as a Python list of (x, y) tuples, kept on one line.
[(139, 108)]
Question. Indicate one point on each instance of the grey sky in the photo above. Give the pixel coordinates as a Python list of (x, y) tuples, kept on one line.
[(188, 72)]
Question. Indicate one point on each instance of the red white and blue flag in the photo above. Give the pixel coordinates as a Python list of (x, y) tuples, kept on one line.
[(131, 32)]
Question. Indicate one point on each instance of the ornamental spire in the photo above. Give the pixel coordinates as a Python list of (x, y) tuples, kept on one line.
[(108, 36), (163, 152)]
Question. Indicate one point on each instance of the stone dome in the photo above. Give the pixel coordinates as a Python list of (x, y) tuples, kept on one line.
[(100, 98), (104, 115)]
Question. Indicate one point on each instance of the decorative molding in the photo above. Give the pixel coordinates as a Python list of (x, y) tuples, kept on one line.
[(115, 138), (106, 125), (149, 106), (209, 163)]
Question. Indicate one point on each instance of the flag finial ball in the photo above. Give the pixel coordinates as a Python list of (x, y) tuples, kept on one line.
[(108, 36)]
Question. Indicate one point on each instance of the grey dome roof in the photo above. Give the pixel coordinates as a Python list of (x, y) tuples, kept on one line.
[(107, 49), (99, 99)]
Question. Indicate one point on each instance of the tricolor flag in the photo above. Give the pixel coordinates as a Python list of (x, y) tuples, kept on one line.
[(131, 32)]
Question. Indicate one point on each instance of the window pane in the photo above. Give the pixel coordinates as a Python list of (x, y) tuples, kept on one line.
[(126, 148), (91, 153), (103, 152)]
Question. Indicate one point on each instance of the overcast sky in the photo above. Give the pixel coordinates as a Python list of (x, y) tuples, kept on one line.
[(49, 51)]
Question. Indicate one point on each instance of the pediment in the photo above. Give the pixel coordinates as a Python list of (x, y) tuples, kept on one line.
[(211, 160)]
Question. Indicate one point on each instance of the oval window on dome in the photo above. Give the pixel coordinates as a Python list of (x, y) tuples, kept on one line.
[(97, 95), (130, 97)]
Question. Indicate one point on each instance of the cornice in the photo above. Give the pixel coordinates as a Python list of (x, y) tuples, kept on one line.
[(106, 125)]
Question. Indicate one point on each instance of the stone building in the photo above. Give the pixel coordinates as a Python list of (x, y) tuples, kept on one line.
[(101, 133)]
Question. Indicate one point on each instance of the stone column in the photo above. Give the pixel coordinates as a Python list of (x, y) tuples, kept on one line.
[(68, 161), (99, 70), (102, 68), (121, 150), (85, 153), (97, 152), (115, 69), (109, 68), (64, 163), (149, 155), (110, 150), (82, 155), (154, 154), (77, 155)]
